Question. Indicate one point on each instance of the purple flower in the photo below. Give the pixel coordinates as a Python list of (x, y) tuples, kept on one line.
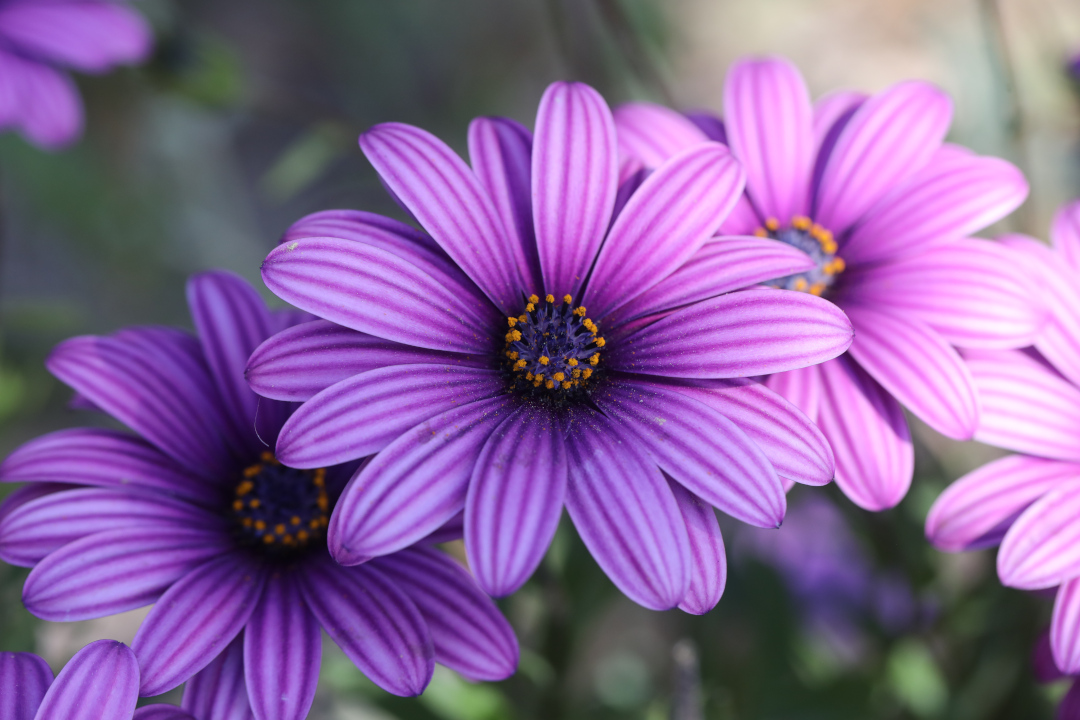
[(865, 186), (1073, 66), (100, 683), (37, 37), (1031, 404), (460, 357), (191, 513)]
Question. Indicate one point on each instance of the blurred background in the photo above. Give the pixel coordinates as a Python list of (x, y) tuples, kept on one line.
[(247, 118)]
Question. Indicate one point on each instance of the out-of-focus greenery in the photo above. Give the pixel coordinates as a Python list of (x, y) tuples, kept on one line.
[(246, 119)]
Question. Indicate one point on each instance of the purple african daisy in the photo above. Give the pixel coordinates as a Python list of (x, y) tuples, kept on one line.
[(460, 356), (38, 38), (1030, 503), (867, 189), (194, 514)]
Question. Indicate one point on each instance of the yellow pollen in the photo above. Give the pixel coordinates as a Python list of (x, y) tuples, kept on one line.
[(238, 505), (838, 264), (512, 355), (567, 299), (600, 342), (295, 520), (260, 525), (268, 456), (566, 385), (255, 502), (559, 377), (268, 539), (773, 224), (550, 298), (761, 232), (801, 222), (320, 478), (322, 502), (586, 373), (252, 471), (288, 540), (539, 377), (817, 288), (520, 364), (245, 487), (549, 384), (534, 299), (529, 376), (523, 318), (516, 334), (247, 522), (314, 524), (536, 382), (279, 528), (544, 360), (580, 312), (594, 359), (530, 307), (576, 373), (801, 284), (302, 535), (572, 362), (511, 321)]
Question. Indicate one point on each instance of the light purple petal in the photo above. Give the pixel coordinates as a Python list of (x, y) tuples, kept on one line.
[(665, 222), (41, 102), (953, 196), (708, 563), (360, 416), (888, 139), (27, 493), (232, 320), (515, 500), (976, 293), (100, 683), (653, 133), (155, 381), (24, 678), (801, 388), (218, 691), (196, 620), (161, 711), (626, 514), (375, 623), (743, 220), (89, 36), (708, 123), (868, 434), (41, 526), (699, 448), (1065, 627), (1026, 406), (721, 265), (976, 510), (414, 485), (1042, 548), (103, 458), (116, 570), (448, 201), (917, 367), (791, 442), (282, 652), (304, 360), (1065, 233), (366, 288), (501, 153), (830, 110), (574, 180), (468, 632), (753, 332), (769, 124)]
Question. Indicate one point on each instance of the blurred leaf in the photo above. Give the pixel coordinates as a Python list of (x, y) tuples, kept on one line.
[(451, 697), (915, 679), (306, 160)]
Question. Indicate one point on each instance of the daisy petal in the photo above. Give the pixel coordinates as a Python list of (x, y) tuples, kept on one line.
[(24, 679), (868, 434), (653, 133), (369, 289), (42, 102), (468, 632), (218, 691), (414, 485), (768, 119), (89, 36), (802, 388), (1065, 233), (976, 510), (100, 683), (1042, 548), (678, 207), (708, 563), (363, 414), (574, 180), (282, 652), (161, 711), (195, 621), (375, 623), (753, 332), (626, 514), (448, 200), (515, 500), (889, 138), (1065, 627)]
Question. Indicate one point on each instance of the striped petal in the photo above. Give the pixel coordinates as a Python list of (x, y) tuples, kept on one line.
[(976, 510), (369, 289), (375, 623), (653, 133), (802, 388), (1065, 233), (888, 139), (40, 101), (1065, 627), (448, 200), (831, 113), (574, 181), (1026, 407), (196, 620), (665, 222), (769, 124), (282, 652), (954, 196), (160, 711), (708, 563), (468, 633), (89, 36), (626, 514), (363, 414), (1042, 548), (918, 368), (868, 434), (100, 683), (218, 691), (753, 332), (698, 447), (414, 485), (24, 679), (515, 500)]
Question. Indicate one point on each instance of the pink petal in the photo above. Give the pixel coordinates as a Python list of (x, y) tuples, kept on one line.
[(888, 139), (831, 113), (802, 388), (653, 133), (574, 181), (708, 563), (1065, 627), (39, 101), (1042, 548), (1065, 233), (768, 119), (100, 683)]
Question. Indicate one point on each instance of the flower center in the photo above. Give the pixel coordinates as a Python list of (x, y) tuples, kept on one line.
[(815, 241), (280, 508), (551, 350)]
